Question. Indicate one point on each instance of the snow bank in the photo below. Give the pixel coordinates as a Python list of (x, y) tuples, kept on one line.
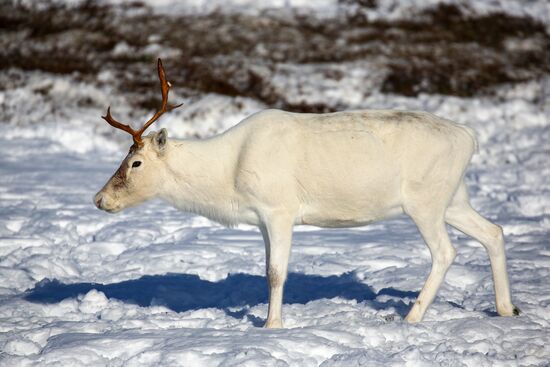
[(380, 9)]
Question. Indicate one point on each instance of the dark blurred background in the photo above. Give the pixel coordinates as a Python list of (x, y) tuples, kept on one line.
[(286, 58)]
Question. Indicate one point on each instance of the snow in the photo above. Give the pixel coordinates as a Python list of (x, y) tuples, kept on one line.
[(384, 9), (152, 286)]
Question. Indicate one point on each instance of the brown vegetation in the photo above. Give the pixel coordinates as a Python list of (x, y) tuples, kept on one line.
[(442, 50)]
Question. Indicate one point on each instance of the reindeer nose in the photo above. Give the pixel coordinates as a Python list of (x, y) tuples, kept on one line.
[(98, 200)]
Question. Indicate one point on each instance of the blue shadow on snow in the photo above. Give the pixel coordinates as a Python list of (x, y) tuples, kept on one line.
[(184, 292)]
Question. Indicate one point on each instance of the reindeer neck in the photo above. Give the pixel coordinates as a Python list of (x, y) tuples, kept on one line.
[(199, 177)]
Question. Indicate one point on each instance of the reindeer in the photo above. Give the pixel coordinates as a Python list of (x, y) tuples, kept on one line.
[(277, 169)]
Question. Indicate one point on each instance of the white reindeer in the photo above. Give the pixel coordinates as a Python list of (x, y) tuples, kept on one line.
[(277, 169)]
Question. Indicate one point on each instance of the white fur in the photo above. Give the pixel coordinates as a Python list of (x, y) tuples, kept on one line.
[(278, 169)]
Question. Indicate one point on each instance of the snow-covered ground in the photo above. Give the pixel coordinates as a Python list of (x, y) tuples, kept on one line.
[(156, 287), (153, 286)]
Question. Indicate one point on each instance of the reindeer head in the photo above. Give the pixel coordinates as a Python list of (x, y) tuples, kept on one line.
[(140, 173)]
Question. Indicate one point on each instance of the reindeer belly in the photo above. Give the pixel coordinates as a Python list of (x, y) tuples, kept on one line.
[(348, 209)]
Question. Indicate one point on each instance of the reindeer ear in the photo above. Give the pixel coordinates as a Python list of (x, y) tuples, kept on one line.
[(160, 138)]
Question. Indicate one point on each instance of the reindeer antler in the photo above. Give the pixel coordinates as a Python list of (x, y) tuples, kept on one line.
[(136, 134)]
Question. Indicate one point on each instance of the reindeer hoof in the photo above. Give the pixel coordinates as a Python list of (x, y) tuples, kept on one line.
[(412, 318), (509, 311), (273, 324)]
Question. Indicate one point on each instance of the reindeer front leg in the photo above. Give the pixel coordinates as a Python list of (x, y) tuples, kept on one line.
[(277, 233)]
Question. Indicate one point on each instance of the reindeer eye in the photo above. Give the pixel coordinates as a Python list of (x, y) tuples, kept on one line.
[(136, 164)]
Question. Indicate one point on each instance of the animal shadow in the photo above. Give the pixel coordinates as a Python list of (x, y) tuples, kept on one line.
[(184, 292)]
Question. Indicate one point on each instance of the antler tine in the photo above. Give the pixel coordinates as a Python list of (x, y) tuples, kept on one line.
[(165, 88), (136, 134), (117, 124)]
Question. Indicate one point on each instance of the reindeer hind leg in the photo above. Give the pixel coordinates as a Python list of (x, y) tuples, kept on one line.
[(463, 217)]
